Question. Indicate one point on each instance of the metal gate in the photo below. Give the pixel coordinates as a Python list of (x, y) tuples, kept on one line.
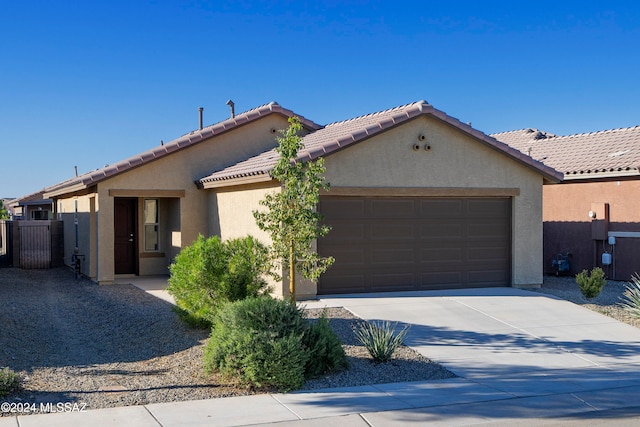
[(40, 244), (6, 244)]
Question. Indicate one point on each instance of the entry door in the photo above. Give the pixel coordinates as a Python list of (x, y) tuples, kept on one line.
[(125, 230)]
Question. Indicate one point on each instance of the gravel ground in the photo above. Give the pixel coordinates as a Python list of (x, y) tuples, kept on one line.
[(107, 346), (607, 303)]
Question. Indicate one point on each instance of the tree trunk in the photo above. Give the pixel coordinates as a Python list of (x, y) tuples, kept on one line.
[(292, 272)]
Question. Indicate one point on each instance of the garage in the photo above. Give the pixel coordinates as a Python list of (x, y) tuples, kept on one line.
[(415, 243)]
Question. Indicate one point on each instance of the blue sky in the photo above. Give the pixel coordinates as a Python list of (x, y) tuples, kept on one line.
[(89, 83)]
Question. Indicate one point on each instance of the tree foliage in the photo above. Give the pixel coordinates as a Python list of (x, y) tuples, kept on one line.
[(4, 214), (291, 217)]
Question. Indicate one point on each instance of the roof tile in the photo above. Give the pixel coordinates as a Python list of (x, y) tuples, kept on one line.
[(186, 140), (338, 135), (584, 155)]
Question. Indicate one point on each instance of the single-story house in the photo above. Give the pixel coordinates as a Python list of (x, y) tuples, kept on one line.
[(32, 207), (418, 200), (593, 215)]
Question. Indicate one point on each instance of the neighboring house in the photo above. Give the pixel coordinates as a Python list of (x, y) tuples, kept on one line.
[(597, 200), (418, 200), (32, 207)]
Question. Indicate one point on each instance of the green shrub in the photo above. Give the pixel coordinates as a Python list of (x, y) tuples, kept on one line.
[(211, 272), (264, 342), (631, 297), (326, 351), (380, 339), (9, 382), (591, 284)]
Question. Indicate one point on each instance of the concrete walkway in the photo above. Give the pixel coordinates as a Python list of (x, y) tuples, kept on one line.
[(521, 357)]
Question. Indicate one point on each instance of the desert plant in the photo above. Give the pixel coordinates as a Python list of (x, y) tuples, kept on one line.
[(325, 349), (631, 297), (9, 382), (264, 342), (591, 284), (380, 338), (211, 272)]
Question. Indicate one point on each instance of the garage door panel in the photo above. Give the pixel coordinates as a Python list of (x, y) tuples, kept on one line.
[(349, 256), (433, 280), (338, 209), (487, 277), (416, 243), (389, 255), (487, 208), (441, 208), (392, 231), (346, 231), (488, 254), (487, 230), (345, 284), (439, 230), (392, 282), (431, 255), (392, 208)]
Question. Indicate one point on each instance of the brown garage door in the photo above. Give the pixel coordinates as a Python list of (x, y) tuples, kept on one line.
[(407, 243)]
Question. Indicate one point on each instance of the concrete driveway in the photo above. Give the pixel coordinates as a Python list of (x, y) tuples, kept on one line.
[(537, 349)]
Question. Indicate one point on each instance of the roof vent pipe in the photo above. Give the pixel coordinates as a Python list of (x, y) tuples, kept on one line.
[(231, 105), (200, 110)]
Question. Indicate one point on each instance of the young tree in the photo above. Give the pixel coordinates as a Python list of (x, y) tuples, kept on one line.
[(291, 217), (4, 214)]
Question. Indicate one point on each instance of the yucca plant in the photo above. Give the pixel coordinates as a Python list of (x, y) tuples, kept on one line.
[(380, 338), (631, 297)]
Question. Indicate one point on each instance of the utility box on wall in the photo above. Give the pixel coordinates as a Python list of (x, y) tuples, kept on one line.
[(599, 215)]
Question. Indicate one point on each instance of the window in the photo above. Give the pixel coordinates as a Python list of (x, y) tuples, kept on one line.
[(40, 214), (151, 243)]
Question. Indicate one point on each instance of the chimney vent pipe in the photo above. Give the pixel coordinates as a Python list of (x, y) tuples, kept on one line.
[(231, 106), (200, 110)]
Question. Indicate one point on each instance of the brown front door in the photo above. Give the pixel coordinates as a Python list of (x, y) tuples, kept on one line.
[(125, 245)]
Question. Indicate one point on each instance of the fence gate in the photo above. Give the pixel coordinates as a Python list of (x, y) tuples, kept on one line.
[(6, 244), (40, 244)]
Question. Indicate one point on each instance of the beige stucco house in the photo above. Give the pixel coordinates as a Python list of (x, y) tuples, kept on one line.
[(593, 215), (418, 200)]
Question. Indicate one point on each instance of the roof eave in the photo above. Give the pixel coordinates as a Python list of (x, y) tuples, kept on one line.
[(65, 190), (598, 175), (180, 143), (236, 181)]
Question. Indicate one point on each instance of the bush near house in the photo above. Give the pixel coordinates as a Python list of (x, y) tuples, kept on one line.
[(591, 284), (267, 343), (9, 382), (210, 272)]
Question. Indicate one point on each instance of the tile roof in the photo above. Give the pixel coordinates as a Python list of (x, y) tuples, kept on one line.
[(609, 153), (85, 180), (516, 138), (338, 135), (30, 198)]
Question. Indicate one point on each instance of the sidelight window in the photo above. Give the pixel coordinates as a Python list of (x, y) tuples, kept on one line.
[(151, 225)]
